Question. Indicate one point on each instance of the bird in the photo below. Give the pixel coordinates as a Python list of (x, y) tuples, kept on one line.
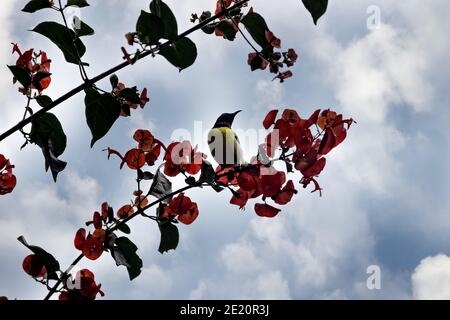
[(223, 142)]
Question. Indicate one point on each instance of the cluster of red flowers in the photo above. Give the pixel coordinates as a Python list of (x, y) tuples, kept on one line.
[(92, 245), (88, 288), (299, 148), (293, 132), (7, 178), (181, 157), (182, 208), (36, 65), (147, 152)]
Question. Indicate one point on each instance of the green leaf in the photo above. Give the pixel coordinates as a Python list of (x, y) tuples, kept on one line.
[(77, 3), (102, 110), (35, 5), (81, 29), (48, 134), (181, 53), (317, 8), (257, 27), (161, 186), (130, 95), (150, 28), (43, 101), (124, 253), (227, 29), (50, 263), (62, 37), (163, 11), (21, 75)]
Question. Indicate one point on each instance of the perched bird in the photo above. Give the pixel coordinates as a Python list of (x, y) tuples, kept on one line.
[(224, 143)]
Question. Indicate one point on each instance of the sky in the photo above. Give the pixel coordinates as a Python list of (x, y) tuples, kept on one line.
[(385, 200)]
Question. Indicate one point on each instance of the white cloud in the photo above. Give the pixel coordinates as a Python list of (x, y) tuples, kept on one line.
[(431, 278)]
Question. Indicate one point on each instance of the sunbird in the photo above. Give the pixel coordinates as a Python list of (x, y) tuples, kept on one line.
[(224, 143)]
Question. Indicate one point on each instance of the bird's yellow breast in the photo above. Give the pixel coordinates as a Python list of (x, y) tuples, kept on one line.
[(225, 146)]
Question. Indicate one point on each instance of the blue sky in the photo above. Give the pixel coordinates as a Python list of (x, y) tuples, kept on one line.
[(386, 189)]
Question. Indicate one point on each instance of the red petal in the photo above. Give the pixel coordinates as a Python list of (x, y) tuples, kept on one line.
[(315, 169), (80, 238), (264, 210), (270, 119)]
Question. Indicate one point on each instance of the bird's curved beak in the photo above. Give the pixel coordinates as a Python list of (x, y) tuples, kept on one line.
[(237, 112)]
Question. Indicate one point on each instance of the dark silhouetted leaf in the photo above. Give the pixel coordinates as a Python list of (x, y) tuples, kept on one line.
[(35, 5), (21, 75), (48, 134), (169, 236), (50, 263), (124, 228), (77, 3), (257, 27), (317, 8), (124, 253), (227, 29), (81, 28), (102, 110), (182, 53), (38, 77), (62, 37), (114, 79), (150, 28), (43, 101), (161, 186), (163, 11), (145, 175), (130, 95)]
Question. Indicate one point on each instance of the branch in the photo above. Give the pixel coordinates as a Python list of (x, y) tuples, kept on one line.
[(140, 211), (89, 83)]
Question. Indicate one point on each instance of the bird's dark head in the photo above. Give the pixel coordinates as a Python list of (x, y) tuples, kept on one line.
[(226, 120)]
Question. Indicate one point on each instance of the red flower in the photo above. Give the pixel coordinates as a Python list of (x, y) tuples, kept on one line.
[(88, 289), (7, 179), (274, 41), (144, 98), (3, 298), (247, 182), (240, 198), (264, 210), (181, 157), (135, 159), (183, 207), (92, 245), (228, 176), (272, 181), (286, 194), (28, 61), (153, 154), (284, 75), (34, 266), (124, 212), (145, 139)]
